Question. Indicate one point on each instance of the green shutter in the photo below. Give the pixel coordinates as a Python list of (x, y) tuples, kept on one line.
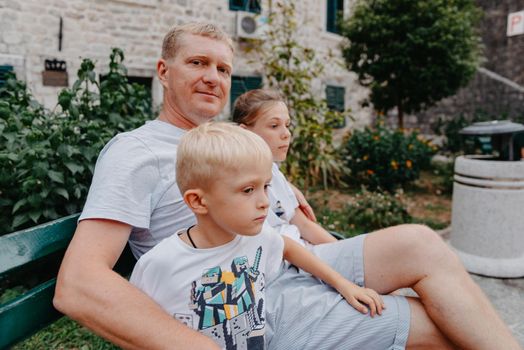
[(239, 85), (3, 73), (334, 9), (335, 98), (245, 5)]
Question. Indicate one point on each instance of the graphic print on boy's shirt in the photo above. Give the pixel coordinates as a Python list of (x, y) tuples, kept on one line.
[(229, 306)]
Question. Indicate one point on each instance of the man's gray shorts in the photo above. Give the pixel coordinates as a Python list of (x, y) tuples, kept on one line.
[(303, 313)]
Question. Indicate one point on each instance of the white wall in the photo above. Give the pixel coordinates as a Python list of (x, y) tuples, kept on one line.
[(29, 32)]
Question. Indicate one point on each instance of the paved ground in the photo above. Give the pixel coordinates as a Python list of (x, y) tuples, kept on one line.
[(507, 295)]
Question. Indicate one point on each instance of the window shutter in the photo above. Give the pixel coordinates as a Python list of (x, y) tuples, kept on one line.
[(334, 8), (245, 5), (3, 74), (239, 85), (335, 98)]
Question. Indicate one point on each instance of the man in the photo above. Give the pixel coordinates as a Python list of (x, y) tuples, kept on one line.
[(134, 197)]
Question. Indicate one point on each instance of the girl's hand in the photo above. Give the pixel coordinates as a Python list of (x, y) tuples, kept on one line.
[(303, 204), (356, 295)]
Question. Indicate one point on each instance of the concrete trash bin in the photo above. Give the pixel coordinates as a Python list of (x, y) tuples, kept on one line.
[(487, 223), (487, 219)]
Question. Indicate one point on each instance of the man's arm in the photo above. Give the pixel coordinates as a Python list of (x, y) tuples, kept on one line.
[(89, 291), (307, 261), (309, 230)]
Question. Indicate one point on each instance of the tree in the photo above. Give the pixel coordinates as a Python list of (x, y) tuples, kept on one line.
[(412, 53), (290, 67)]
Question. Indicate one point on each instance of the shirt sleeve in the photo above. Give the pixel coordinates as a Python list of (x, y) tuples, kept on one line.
[(276, 252), (125, 178)]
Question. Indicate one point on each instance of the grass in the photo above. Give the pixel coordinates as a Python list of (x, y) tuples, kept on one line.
[(62, 334), (65, 334)]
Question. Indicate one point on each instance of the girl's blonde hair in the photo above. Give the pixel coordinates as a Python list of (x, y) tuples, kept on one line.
[(249, 105), (212, 148)]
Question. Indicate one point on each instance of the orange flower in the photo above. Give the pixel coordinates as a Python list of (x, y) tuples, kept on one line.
[(394, 164), (409, 164), (366, 157), (376, 138), (370, 172)]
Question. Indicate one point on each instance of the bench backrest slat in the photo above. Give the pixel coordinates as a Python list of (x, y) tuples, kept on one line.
[(33, 310), (27, 314), (21, 247)]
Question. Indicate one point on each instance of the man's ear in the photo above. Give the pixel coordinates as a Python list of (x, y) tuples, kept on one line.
[(194, 199), (242, 125), (161, 71)]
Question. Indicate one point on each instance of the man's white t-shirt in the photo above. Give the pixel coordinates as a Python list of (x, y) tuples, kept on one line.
[(135, 183)]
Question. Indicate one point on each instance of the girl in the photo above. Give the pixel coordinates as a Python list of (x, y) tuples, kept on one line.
[(265, 113)]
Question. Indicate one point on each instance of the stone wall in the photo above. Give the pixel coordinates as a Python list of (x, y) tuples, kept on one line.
[(29, 32), (497, 90)]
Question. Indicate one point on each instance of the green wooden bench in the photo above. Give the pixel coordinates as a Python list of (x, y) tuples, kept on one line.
[(32, 256)]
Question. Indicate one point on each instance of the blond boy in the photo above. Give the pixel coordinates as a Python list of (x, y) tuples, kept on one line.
[(212, 276)]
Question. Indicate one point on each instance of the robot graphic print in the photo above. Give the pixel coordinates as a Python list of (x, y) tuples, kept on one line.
[(229, 305)]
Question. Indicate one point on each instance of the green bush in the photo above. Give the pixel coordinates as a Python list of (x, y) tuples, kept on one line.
[(367, 212), (385, 159), (48, 157)]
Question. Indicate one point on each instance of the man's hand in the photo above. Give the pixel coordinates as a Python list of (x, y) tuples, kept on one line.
[(303, 204), (356, 295)]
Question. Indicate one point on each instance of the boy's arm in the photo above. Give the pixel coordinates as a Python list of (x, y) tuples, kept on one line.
[(89, 291), (309, 230), (307, 261)]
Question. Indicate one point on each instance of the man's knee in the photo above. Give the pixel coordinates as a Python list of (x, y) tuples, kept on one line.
[(424, 244)]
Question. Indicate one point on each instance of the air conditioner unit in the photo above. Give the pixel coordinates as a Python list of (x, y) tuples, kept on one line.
[(250, 25)]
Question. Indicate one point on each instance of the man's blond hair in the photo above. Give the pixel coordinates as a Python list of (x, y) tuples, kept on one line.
[(171, 41), (213, 148)]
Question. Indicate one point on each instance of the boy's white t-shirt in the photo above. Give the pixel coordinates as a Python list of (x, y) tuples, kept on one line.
[(283, 203), (219, 291)]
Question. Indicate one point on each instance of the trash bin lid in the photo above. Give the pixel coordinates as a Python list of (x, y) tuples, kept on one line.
[(492, 127)]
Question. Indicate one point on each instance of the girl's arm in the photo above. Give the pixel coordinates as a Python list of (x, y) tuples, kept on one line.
[(309, 230), (303, 204), (304, 259)]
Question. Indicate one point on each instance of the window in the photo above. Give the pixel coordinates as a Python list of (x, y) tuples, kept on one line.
[(335, 9), (245, 5), (335, 97), (239, 85), (3, 73)]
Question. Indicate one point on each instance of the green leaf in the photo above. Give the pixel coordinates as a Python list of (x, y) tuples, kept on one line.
[(74, 168), (35, 215), (56, 176), (18, 204), (19, 220), (62, 192)]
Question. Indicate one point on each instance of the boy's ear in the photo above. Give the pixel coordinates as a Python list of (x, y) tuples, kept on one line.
[(194, 199)]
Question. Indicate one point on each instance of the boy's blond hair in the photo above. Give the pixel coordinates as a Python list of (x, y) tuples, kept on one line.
[(208, 150), (171, 41)]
